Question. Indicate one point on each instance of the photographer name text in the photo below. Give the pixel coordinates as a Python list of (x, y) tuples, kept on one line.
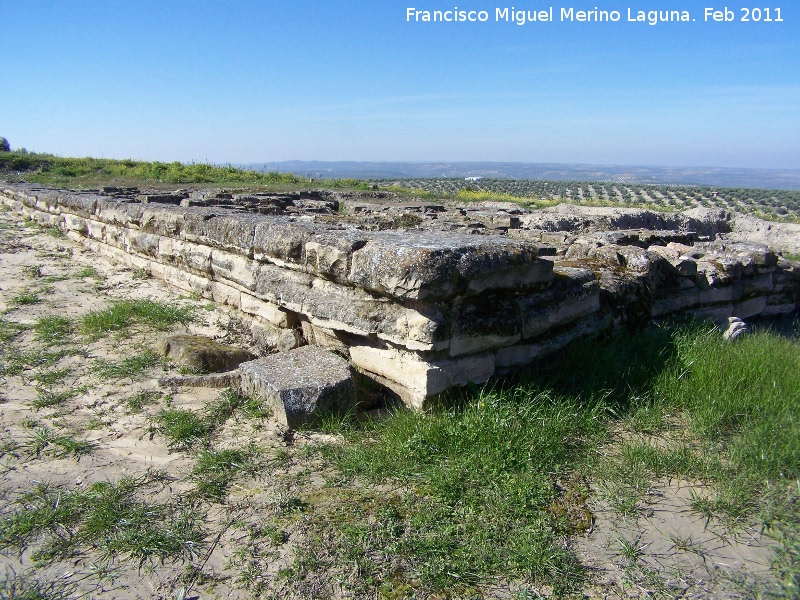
[(565, 14)]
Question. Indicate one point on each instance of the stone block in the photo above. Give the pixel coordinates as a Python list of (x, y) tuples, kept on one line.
[(194, 257), (226, 230), (301, 384), (575, 294), (143, 243), (162, 220), (424, 265), (750, 308), (201, 354), (234, 268), (114, 212), (76, 224), (268, 311)]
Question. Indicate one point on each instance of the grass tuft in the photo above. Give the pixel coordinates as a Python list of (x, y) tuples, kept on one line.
[(123, 314), (132, 367), (183, 428), (53, 329), (215, 470), (61, 522), (44, 440)]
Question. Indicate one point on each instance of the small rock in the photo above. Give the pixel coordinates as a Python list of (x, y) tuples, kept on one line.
[(201, 354), (289, 340), (736, 329)]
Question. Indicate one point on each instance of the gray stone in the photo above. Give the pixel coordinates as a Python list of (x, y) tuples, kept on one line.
[(201, 354), (443, 265), (736, 329), (301, 384), (289, 340)]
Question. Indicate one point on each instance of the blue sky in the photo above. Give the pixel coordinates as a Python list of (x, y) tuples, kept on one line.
[(270, 81)]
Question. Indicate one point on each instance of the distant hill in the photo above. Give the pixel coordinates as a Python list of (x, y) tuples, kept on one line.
[(784, 179)]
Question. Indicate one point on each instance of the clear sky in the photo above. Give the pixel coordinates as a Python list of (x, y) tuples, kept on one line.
[(270, 81)]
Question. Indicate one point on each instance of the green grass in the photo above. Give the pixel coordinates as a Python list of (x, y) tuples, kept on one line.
[(139, 400), (215, 470), (87, 272), (44, 440), (44, 168), (15, 362), (10, 330), (132, 367), (498, 448), (183, 428), (18, 587), (61, 522), (123, 314), (53, 329), (487, 487), (26, 299), (46, 398)]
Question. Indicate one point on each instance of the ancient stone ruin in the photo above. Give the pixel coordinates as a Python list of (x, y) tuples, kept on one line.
[(422, 296)]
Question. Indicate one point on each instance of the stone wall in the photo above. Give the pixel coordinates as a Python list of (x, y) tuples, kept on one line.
[(428, 307)]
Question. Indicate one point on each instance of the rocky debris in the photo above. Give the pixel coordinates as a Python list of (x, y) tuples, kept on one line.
[(230, 379), (423, 296), (300, 385), (736, 329), (201, 354)]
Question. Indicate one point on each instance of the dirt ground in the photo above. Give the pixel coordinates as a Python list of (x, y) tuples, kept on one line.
[(666, 550)]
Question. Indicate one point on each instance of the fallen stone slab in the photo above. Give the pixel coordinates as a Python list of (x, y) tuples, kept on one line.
[(201, 354), (230, 379), (301, 384)]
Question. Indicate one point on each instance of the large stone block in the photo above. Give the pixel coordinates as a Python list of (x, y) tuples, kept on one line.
[(267, 311), (167, 221), (234, 268), (201, 354), (442, 264), (114, 212), (227, 230), (415, 379), (301, 384), (575, 294), (194, 257)]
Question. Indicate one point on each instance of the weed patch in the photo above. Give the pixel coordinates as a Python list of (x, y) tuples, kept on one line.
[(53, 329), (123, 314), (132, 367), (44, 440), (48, 398), (215, 470), (183, 428), (26, 299), (138, 401), (110, 516)]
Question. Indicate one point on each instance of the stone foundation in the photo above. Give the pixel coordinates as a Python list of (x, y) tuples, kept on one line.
[(424, 309)]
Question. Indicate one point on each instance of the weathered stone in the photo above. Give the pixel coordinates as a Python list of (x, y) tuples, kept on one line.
[(234, 269), (736, 329), (481, 323), (201, 354), (268, 311), (422, 265), (575, 294), (194, 257), (289, 340), (231, 379), (424, 310), (301, 384), (230, 231)]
